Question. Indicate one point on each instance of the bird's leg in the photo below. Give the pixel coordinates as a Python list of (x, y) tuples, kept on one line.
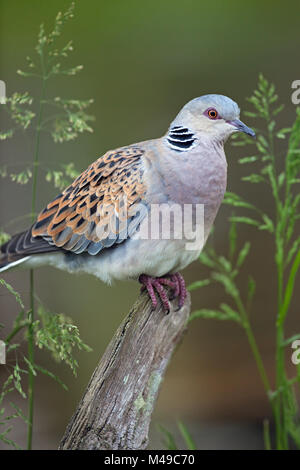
[(157, 284), (153, 284), (180, 290)]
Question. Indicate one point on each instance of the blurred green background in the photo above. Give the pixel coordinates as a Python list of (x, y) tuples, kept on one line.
[(142, 62)]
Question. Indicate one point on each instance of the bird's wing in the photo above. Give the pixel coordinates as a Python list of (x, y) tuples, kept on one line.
[(91, 214)]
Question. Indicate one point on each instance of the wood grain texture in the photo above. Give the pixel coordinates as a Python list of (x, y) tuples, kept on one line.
[(115, 411)]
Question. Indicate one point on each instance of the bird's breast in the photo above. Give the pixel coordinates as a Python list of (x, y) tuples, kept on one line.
[(194, 178)]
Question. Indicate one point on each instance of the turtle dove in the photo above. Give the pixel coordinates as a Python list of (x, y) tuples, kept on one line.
[(84, 228)]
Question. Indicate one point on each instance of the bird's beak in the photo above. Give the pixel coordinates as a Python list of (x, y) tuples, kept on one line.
[(241, 127)]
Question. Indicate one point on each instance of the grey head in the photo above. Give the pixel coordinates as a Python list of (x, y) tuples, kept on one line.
[(207, 118)]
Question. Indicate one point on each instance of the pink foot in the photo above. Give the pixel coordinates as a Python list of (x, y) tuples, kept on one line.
[(157, 284), (180, 289)]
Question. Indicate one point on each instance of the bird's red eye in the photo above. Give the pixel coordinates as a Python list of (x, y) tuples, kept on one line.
[(212, 113)]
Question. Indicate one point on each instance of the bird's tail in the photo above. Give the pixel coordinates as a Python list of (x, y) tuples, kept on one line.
[(5, 264), (20, 247)]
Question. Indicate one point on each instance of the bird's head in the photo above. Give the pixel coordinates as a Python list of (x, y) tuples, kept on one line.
[(216, 117)]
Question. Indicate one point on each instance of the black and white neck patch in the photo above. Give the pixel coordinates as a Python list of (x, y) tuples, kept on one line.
[(181, 138)]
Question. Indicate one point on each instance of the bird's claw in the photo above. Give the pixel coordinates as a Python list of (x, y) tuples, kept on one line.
[(157, 285)]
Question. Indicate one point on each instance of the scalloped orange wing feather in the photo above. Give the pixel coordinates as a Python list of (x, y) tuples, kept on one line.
[(92, 212)]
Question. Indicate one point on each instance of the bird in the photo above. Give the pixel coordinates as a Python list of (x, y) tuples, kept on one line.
[(97, 224)]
